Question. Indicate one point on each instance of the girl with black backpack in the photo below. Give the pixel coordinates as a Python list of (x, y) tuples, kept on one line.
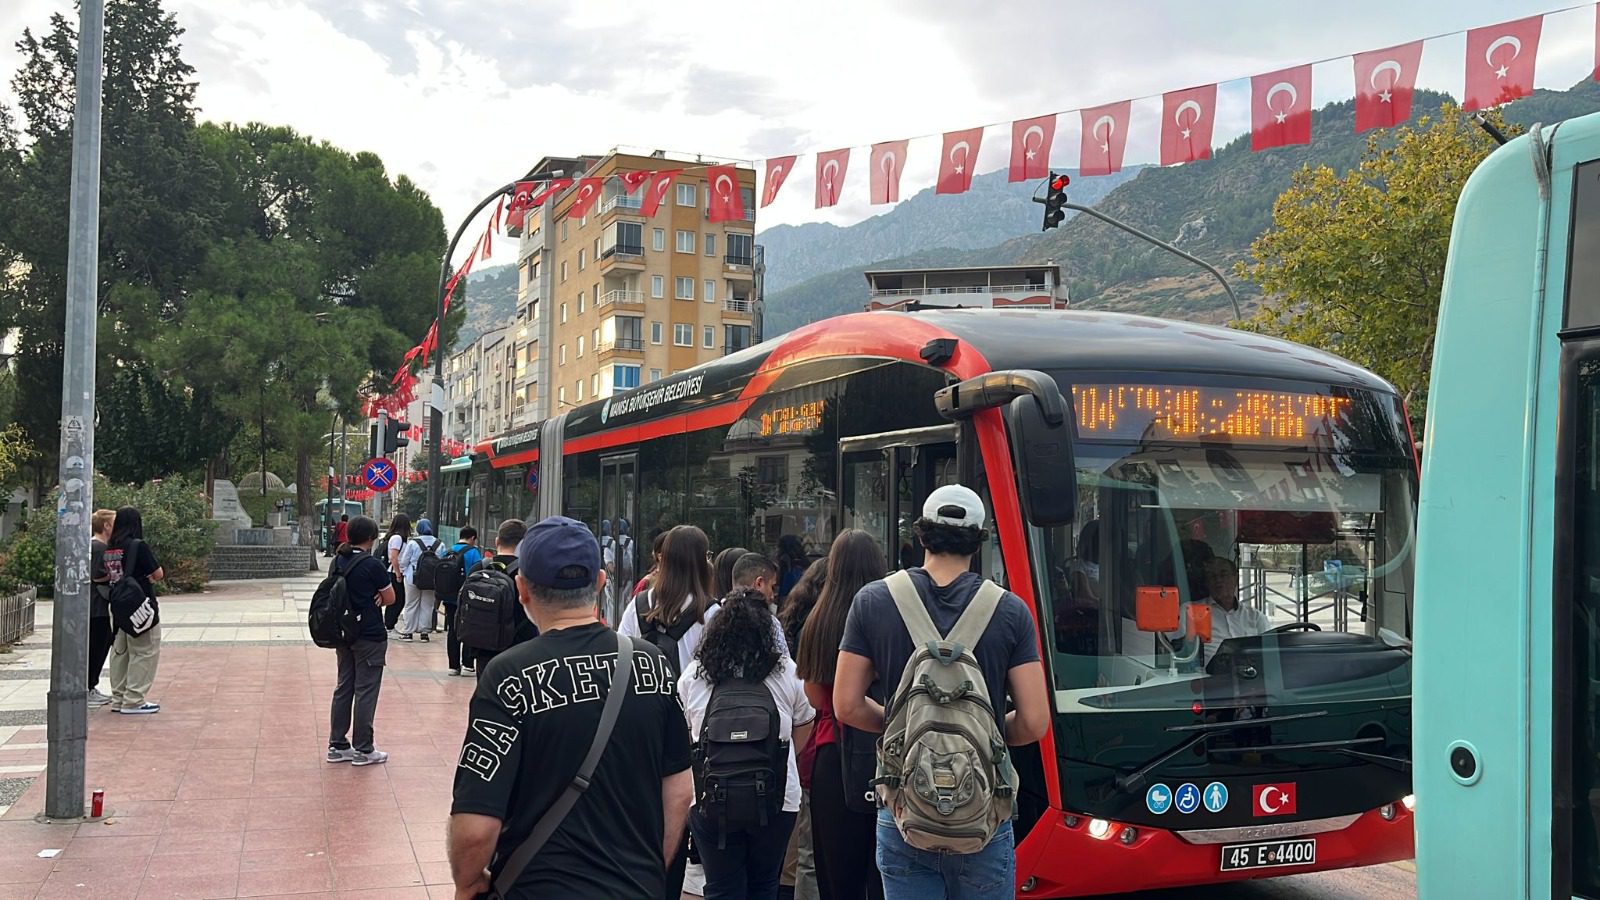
[(747, 712), (136, 649), (394, 542)]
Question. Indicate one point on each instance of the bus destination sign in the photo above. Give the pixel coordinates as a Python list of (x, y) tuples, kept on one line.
[(1189, 412)]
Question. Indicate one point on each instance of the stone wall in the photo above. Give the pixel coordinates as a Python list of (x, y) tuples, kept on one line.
[(236, 563)]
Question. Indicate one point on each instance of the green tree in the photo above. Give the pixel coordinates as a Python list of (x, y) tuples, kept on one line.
[(1353, 263)]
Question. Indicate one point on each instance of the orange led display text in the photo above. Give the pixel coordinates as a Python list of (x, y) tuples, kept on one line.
[(1150, 411)]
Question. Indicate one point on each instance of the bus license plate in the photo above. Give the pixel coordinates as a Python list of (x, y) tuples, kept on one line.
[(1269, 854)]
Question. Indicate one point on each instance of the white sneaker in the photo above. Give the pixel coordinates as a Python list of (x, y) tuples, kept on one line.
[(97, 699), (144, 710), (370, 758), (335, 755)]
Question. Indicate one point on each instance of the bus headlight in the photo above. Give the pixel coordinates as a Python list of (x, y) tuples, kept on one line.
[(1099, 829), (1387, 811), (1129, 835), (1409, 801)]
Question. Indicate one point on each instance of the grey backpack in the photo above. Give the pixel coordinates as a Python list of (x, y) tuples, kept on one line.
[(944, 772)]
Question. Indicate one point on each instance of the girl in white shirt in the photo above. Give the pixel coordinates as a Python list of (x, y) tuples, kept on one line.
[(680, 601), (418, 617), (740, 644)]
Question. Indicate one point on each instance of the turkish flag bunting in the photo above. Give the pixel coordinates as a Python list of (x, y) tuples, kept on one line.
[(957, 162), (830, 176), (778, 169), (888, 160), (588, 193), (656, 194), (551, 188), (499, 207), (1280, 108), (1500, 62), (521, 199), (632, 180), (726, 202), (1030, 148), (1385, 80), (431, 341), (1105, 137), (1187, 117), (487, 241)]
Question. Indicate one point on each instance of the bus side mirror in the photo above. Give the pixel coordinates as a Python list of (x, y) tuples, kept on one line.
[(1047, 476)]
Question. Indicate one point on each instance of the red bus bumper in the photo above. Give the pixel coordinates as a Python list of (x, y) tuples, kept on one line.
[(1058, 861)]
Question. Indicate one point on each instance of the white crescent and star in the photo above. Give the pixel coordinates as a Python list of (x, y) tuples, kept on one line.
[(1031, 149), (1294, 97), (829, 170), (717, 185), (1385, 94), (774, 181), (966, 150), (1187, 106), (1111, 129), (1505, 40), (1276, 804)]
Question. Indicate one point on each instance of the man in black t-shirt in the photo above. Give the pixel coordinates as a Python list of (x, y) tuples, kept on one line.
[(532, 721)]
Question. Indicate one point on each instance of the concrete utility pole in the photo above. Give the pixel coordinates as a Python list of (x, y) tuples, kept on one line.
[(67, 713)]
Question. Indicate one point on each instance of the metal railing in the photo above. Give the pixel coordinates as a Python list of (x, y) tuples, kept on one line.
[(745, 261), (635, 345), (975, 289), (16, 616), (621, 201), (624, 253), (626, 298), (739, 306)]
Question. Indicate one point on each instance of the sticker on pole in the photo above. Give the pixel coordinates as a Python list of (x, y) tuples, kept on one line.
[(379, 474)]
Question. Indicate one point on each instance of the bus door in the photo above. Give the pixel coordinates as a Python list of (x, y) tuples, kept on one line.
[(884, 479), (619, 492)]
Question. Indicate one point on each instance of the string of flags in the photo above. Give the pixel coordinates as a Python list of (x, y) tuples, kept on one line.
[(1499, 67)]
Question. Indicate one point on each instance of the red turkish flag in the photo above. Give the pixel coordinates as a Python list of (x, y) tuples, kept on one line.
[(830, 176), (1500, 62), (521, 199), (656, 194), (888, 161), (1385, 80), (958, 161), (1105, 136), (551, 188), (778, 169), (588, 193), (1030, 148), (1187, 117), (1274, 799), (632, 180), (726, 204), (1280, 108)]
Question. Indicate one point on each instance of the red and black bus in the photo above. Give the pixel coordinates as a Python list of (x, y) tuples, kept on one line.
[(1138, 471)]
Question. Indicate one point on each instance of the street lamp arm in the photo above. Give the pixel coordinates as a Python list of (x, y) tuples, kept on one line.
[(1237, 315)]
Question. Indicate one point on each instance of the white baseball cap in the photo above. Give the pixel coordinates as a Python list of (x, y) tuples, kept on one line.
[(955, 505)]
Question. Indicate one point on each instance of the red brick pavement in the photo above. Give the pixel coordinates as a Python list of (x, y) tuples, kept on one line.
[(225, 793)]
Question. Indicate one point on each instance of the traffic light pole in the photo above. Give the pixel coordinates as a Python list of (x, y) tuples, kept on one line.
[(435, 409), (1237, 315)]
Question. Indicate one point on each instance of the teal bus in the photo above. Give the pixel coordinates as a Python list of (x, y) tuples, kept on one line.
[(1507, 678)]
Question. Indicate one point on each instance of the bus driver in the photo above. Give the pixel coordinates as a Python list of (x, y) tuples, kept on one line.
[(1229, 618)]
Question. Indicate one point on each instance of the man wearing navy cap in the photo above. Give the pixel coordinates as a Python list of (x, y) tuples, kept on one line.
[(533, 719)]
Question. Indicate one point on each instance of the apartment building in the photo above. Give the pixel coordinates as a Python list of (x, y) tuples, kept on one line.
[(612, 299), (980, 287), (467, 376)]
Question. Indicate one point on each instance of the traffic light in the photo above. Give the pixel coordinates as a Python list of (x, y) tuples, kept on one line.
[(1055, 200), (394, 436)]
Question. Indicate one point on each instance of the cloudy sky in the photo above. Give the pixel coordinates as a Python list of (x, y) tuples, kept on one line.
[(463, 95)]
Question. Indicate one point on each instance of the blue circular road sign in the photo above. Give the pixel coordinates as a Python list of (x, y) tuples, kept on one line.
[(379, 474)]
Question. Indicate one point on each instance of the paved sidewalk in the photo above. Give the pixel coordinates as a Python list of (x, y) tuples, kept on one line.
[(225, 793)]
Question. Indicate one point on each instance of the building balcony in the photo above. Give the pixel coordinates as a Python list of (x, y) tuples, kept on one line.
[(622, 256), (739, 307), (627, 347), (749, 215), (739, 267), (610, 300), (980, 296), (622, 203)]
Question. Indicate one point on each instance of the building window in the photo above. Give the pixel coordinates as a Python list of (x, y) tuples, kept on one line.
[(596, 248), (658, 239), (563, 271), (708, 337), (686, 195), (711, 244), (583, 256), (711, 291), (561, 393), (735, 337), (624, 377), (580, 346), (594, 384), (629, 332), (658, 286), (683, 335), (626, 238), (564, 223), (579, 389), (594, 338), (563, 314), (563, 354), (655, 374), (741, 250), (580, 303), (655, 332), (683, 288), (685, 241)]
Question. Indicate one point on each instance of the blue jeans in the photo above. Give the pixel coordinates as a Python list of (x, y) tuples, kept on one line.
[(750, 864), (912, 874)]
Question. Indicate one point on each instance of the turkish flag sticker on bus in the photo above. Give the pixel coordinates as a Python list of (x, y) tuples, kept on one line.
[(888, 159), (778, 169), (958, 161), (1030, 148), (1105, 136), (831, 168), (1280, 108), (656, 194), (1384, 82), (1273, 799), (1500, 62), (726, 205), (1186, 120)]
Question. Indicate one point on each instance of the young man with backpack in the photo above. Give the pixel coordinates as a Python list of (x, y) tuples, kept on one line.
[(934, 628), (347, 616), (489, 620), (461, 558)]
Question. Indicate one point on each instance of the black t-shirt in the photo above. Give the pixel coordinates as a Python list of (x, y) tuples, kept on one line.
[(875, 630), (100, 590), (364, 577), (140, 563), (533, 717), (526, 630)]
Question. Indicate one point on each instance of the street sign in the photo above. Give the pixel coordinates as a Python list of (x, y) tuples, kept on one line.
[(379, 474), (532, 480)]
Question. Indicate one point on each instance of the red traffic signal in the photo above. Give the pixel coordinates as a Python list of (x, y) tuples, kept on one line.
[(1059, 182)]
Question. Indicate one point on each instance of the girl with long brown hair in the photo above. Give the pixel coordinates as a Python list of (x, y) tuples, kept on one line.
[(681, 598)]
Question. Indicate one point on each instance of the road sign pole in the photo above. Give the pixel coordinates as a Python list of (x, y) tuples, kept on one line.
[(66, 706)]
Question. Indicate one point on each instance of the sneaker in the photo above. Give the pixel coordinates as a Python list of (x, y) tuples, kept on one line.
[(97, 699), (456, 672), (404, 636), (335, 755), (424, 637), (144, 710), (468, 670), (369, 758)]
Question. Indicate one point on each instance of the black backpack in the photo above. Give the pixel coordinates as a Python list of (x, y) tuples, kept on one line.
[(451, 573), (332, 619), (664, 638), (131, 608), (741, 767), (487, 610), (426, 574)]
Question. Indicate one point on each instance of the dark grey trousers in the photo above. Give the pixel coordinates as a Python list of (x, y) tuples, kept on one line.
[(360, 677)]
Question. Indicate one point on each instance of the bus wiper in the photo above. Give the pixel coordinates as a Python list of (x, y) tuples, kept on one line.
[(1202, 733), (1341, 747)]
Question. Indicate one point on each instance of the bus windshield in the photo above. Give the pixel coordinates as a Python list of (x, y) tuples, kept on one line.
[(1232, 547)]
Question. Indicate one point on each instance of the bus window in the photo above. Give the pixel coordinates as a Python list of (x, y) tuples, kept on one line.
[(1584, 633)]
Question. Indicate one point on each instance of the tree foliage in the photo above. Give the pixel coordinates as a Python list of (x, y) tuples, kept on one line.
[(1353, 263)]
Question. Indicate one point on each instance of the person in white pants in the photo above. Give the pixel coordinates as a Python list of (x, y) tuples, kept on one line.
[(419, 612)]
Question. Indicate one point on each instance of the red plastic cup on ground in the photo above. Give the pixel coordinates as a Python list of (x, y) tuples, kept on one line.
[(97, 806)]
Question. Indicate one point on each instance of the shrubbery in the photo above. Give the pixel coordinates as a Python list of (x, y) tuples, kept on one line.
[(177, 526)]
